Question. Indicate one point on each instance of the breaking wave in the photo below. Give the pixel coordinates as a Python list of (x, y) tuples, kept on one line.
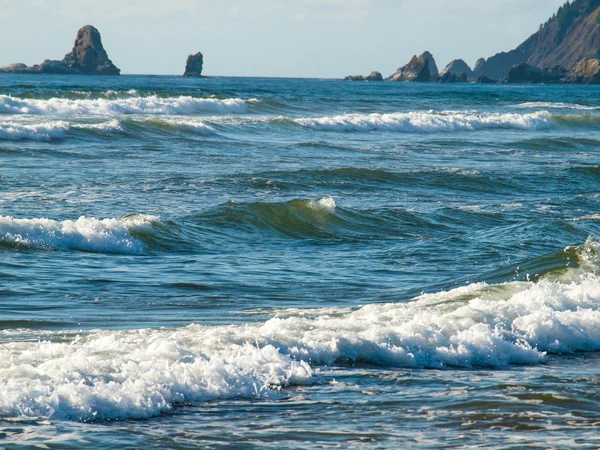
[(48, 131), (103, 375), (429, 122), (154, 105), (84, 234), (556, 105)]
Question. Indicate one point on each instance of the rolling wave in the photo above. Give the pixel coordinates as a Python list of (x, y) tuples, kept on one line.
[(103, 375), (556, 105), (429, 122), (83, 234), (48, 131), (152, 105)]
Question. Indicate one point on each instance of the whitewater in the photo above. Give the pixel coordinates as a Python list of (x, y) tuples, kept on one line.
[(268, 263)]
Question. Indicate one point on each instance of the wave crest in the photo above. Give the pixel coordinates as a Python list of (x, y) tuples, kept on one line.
[(85, 234), (152, 105), (429, 122), (141, 373)]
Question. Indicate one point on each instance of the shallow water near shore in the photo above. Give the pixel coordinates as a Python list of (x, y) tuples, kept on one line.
[(268, 263)]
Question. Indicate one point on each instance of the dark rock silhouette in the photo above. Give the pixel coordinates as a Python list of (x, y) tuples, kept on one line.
[(526, 73), (416, 70), (88, 57), (194, 65), (485, 80), (586, 71), (433, 69), (449, 77), (373, 76)]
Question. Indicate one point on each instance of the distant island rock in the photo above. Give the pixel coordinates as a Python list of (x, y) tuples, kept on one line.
[(459, 69), (194, 65), (373, 76), (88, 57), (433, 68), (416, 70)]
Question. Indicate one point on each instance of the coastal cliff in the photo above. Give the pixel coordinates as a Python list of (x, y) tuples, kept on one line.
[(88, 57), (569, 36)]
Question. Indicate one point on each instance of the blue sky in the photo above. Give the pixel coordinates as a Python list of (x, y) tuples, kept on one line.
[(305, 38)]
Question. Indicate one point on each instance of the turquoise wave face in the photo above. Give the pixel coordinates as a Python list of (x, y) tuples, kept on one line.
[(225, 252)]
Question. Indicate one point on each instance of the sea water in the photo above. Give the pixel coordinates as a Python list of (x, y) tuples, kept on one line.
[(290, 263)]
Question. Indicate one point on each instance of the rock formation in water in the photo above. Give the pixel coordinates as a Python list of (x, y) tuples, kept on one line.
[(373, 76), (586, 71), (416, 70), (457, 68), (193, 66), (88, 57), (450, 77), (571, 35), (433, 68), (528, 74)]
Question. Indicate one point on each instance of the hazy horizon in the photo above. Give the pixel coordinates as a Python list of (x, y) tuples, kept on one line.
[(276, 38)]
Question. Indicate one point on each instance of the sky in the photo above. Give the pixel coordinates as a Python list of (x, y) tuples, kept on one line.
[(276, 38)]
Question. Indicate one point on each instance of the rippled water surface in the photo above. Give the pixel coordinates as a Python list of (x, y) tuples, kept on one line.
[(280, 263)]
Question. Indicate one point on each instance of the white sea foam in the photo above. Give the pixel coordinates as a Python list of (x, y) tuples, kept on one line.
[(136, 374), (556, 105), (48, 131), (85, 234), (429, 122), (134, 105), (325, 204), (187, 124)]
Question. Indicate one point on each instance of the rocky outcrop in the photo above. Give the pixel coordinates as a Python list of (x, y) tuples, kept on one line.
[(194, 65), (416, 70), (526, 73), (478, 66), (586, 71), (571, 35), (450, 77), (88, 57), (373, 76), (458, 67), (482, 79), (433, 68)]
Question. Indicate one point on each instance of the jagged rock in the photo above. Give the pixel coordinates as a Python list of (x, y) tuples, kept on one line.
[(458, 67), (56, 67), (193, 66), (484, 80), (416, 70), (450, 77), (374, 76), (88, 55), (433, 69), (586, 71), (525, 73), (478, 67)]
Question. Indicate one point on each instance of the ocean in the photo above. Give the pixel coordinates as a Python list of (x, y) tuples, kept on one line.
[(297, 263)]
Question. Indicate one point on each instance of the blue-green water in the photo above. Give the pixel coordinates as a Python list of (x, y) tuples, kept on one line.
[(279, 263)]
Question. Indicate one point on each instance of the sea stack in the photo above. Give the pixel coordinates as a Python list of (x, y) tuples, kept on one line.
[(88, 57), (586, 71), (193, 66), (416, 70), (458, 68)]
